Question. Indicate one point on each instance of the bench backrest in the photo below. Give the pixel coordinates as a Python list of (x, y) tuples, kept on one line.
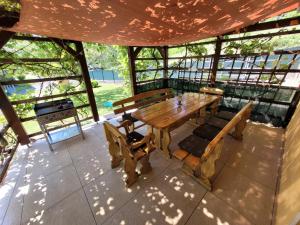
[(142, 99), (243, 114)]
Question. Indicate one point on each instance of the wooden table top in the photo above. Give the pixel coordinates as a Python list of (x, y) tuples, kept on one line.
[(167, 113)]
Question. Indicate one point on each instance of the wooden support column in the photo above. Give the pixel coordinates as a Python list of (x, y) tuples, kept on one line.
[(12, 118), (164, 54), (86, 77), (216, 61), (131, 61), (165, 64), (5, 105)]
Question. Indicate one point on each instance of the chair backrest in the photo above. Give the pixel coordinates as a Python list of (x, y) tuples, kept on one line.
[(142, 99), (243, 114), (113, 135), (212, 91)]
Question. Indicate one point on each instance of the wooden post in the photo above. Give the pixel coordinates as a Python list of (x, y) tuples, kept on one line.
[(86, 77), (165, 64), (5, 105), (131, 60), (12, 118), (216, 61)]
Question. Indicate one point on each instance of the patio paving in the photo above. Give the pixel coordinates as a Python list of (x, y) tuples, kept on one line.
[(75, 184)]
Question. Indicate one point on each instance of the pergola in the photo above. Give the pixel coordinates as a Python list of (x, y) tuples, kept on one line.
[(160, 26)]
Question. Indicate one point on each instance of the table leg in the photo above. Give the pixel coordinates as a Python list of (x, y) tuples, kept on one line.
[(149, 129), (78, 125), (166, 140), (202, 116), (45, 133), (157, 134)]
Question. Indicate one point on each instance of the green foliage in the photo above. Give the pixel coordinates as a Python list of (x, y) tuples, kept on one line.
[(199, 50), (248, 46), (10, 5), (95, 84), (108, 57)]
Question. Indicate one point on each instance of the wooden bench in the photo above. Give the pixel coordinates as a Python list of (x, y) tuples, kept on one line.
[(140, 100), (130, 146), (200, 154)]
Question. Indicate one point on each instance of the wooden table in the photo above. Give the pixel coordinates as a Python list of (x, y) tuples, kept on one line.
[(165, 116)]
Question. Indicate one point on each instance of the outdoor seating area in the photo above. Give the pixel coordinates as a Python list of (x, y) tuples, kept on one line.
[(202, 127)]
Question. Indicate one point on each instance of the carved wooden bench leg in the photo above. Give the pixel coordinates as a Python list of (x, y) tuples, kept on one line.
[(129, 167), (207, 167), (146, 166)]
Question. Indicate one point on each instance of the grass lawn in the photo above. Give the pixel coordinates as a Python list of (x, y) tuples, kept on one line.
[(109, 92)]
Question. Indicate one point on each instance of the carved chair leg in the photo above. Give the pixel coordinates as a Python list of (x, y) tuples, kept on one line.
[(146, 166), (129, 167), (214, 108), (116, 157)]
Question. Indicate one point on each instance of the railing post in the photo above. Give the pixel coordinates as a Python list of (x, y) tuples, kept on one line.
[(12, 118), (165, 64), (216, 61), (131, 61), (87, 80)]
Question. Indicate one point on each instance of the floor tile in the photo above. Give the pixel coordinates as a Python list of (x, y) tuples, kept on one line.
[(90, 168), (259, 169), (108, 193), (45, 191), (253, 200), (72, 210), (156, 204), (213, 211)]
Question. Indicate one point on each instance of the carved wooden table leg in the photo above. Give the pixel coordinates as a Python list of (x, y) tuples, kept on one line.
[(166, 140), (149, 129), (202, 116), (157, 134)]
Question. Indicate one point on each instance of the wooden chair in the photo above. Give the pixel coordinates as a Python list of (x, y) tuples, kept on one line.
[(140, 100), (200, 153), (132, 147), (213, 108)]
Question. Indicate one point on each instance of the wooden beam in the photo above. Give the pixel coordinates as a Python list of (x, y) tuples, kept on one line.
[(29, 60), (131, 61), (39, 80), (216, 61), (288, 32), (4, 37), (64, 45), (12, 118), (35, 99), (87, 80), (268, 25), (8, 18)]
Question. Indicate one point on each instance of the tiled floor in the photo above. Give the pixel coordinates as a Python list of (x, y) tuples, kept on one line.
[(75, 184)]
